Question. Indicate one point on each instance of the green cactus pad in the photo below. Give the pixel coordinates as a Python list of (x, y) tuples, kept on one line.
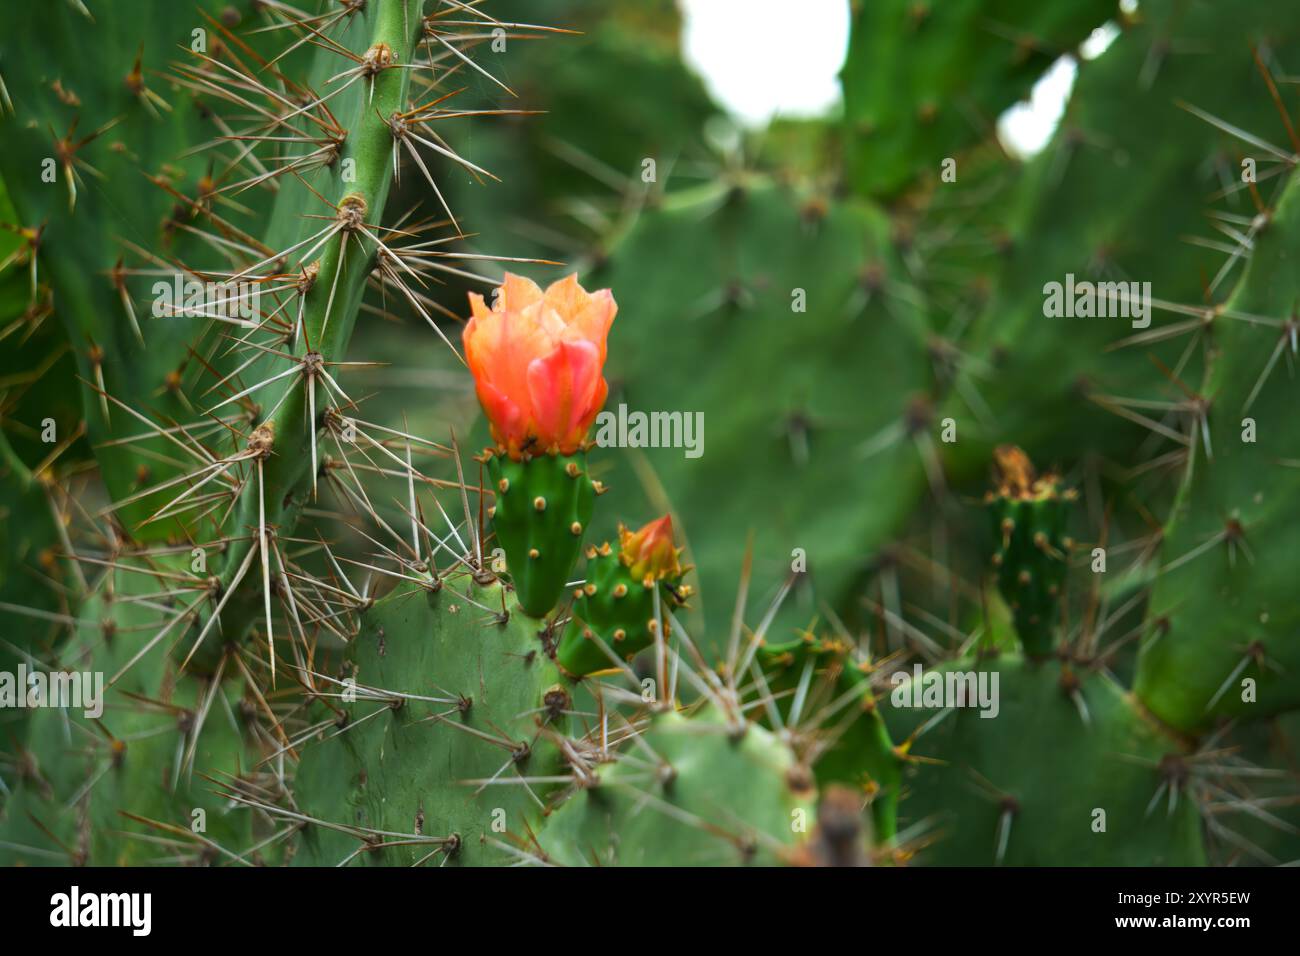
[(824, 404), (480, 698), (1223, 615), (1067, 753), (707, 798), (920, 74), (1122, 192), (852, 745), (86, 786)]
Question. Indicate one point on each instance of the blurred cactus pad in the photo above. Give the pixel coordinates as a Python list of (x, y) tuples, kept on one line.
[(441, 433)]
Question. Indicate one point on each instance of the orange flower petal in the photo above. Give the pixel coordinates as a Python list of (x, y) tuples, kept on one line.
[(517, 293), (509, 421), (537, 358), (563, 388)]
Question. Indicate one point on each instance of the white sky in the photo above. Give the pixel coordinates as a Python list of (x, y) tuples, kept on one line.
[(763, 58)]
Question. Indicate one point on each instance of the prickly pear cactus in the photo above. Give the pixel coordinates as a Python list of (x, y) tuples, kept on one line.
[(755, 265), (346, 350), (714, 794), (212, 394), (1223, 616), (142, 739), (1067, 771), (438, 733), (1142, 167), (920, 74)]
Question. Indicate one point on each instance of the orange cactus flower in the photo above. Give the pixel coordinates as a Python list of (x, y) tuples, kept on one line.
[(537, 359), (649, 553)]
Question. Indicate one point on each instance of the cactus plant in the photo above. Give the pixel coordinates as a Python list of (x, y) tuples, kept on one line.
[(924, 80), (328, 636), (1138, 180), (450, 714), (537, 360), (754, 261), (738, 799), (257, 361), (1221, 614)]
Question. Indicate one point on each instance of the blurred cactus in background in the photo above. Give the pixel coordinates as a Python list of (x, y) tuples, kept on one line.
[(434, 433)]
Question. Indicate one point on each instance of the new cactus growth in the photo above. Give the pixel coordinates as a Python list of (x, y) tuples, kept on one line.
[(616, 611), (1032, 553)]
